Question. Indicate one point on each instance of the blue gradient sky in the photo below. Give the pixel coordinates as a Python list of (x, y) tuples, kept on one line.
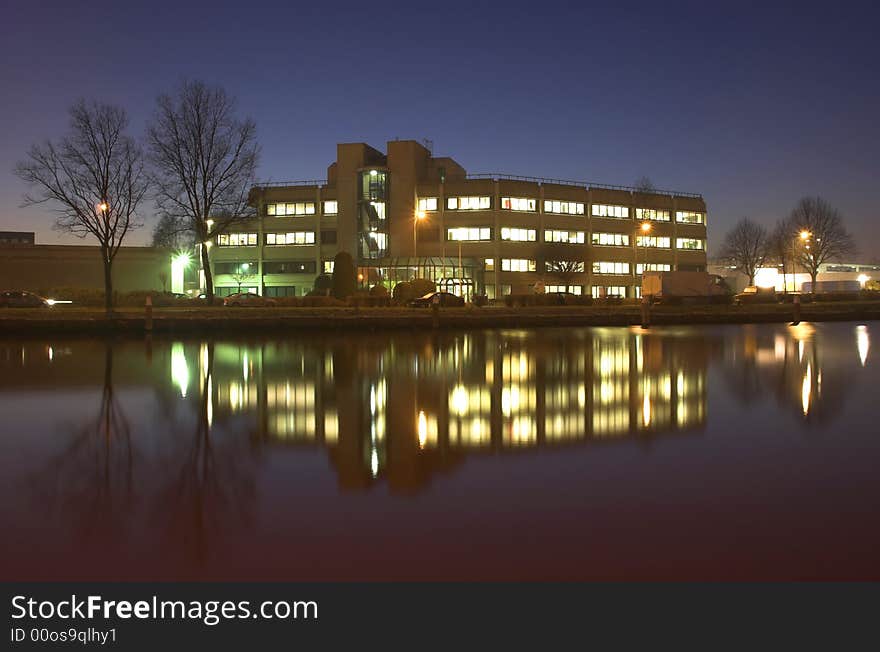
[(754, 106)]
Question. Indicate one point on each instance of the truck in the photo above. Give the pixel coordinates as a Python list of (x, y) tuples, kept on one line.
[(685, 287)]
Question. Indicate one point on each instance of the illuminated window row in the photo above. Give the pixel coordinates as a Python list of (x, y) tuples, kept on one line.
[(519, 204), (563, 207), (291, 238), (603, 267), (609, 291), (661, 242), (574, 289), (652, 214), (427, 204), (518, 235), (696, 244), (466, 233), (468, 203), (610, 239), (288, 209), (237, 240), (570, 237), (653, 267), (690, 217), (606, 210), (518, 265)]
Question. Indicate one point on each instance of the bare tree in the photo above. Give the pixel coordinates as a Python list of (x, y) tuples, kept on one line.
[(95, 179), (204, 161), (560, 262), (173, 234), (746, 247), (818, 227), (242, 275), (645, 185)]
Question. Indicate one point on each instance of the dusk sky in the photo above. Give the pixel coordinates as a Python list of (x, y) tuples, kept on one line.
[(752, 106)]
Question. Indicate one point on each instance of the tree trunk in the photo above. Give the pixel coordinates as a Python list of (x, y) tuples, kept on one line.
[(813, 275), (751, 278), (108, 281), (209, 278)]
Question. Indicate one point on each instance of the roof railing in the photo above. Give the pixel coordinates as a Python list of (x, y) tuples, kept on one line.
[(286, 184), (494, 176)]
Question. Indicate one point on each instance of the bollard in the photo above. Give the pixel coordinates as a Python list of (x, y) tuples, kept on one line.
[(646, 312), (148, 313), (796, 302)]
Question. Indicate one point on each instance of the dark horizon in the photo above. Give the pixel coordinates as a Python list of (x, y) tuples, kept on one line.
[(752, 108)]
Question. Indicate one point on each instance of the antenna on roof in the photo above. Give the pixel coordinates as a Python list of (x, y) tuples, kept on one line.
[(429, 145)]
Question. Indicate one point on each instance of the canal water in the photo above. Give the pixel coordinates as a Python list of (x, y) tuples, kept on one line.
[(676, 453)]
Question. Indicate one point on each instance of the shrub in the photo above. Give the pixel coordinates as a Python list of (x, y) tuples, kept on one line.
[(379, 291), (421, 286), (344, 275)]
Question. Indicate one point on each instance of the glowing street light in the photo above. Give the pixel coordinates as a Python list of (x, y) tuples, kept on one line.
[(646, 229), (103, 207), (805, 235)]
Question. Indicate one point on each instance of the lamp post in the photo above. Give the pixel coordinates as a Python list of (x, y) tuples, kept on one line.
[(804, 238), (419, 215), (645, 228)]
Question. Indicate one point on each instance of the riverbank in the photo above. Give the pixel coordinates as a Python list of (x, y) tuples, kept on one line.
[(64, 320)]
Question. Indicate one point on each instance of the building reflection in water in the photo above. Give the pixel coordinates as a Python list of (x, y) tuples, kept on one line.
[(402, 409)]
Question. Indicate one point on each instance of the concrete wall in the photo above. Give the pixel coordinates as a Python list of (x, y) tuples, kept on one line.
[(45, 267)]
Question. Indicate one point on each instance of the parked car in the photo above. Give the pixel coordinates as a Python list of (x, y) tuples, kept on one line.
[(562, 298), (248, 300), (445, 300), (754, 294), (22, 299)]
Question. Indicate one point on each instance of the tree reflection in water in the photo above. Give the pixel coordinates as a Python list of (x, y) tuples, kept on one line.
[(206, 478), (91, 482), (803, 372)]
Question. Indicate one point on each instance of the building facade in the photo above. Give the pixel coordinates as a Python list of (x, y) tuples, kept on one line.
[(404, 214)]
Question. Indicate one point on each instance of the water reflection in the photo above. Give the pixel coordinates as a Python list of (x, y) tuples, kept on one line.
[(796, 366), (401, 411), (176, 445)]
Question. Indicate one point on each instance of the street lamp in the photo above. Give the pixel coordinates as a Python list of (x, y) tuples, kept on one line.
[(103, 207), (419, 215), (646, 229)]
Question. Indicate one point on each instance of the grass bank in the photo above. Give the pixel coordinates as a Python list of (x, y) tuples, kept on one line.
[(62, 320)]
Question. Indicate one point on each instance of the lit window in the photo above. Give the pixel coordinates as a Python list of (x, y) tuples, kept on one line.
[(237, 240), (328, 266), (518, 235), (574, 289), (652, 214), (517, 265), (291, 209), (468, 203), (690, 217), (662, 242), (653, 267), (427, 203), (570, 237), (518, 204), (609, 291), (466, 233), (610, 268), (490, 264), (690, 243), (292, 238), (563, 207), (610, 239), (605, 210), (331, 207)]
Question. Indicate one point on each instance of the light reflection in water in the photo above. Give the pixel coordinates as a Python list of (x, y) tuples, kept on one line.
[(862, 343)]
